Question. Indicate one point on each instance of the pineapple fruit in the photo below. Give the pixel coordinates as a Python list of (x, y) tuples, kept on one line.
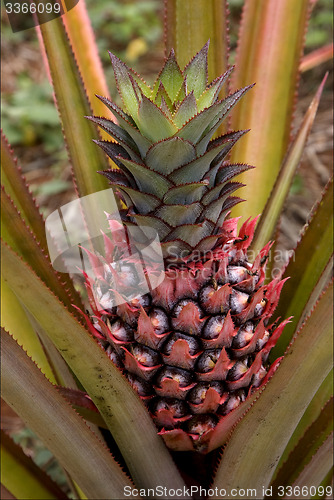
[(196, 346)]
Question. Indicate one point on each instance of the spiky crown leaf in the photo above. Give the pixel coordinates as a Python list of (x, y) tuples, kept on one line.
[(172, 175)]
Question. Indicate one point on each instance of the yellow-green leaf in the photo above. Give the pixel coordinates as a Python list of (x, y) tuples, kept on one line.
[(61, 429), (305, 268), (22, 477), (189, 26), (270, 46), (274, 205), (253, 451), (14, 319), (73, 106)]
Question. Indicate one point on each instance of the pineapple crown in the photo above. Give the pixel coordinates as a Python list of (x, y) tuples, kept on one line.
[(172, 175)]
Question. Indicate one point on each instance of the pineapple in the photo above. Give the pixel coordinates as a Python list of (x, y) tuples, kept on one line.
[(197, 345)]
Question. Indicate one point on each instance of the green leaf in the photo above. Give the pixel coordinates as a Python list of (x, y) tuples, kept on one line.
[(162, 100), (196, 72), (213, 210), (175, 215), (170, 76), (22, 477), (251, 454), (322, 461), (195, 170), (187, 193), (313, 438), (147, 180), (274, 206), (219, 190), (82, 38), (144, 202), (186, 110), (24, 243), (60, 370), (157, 224), (67, 436), (152, 122), (119, 134), (312, 413), (310, 258), (269, 49), (128, 421), (187, 29), (192, 233), (167, 155), (210, 95), (70, 94), (14, 319), (17, 187), (142, 143), (125, 86), (201, 128)]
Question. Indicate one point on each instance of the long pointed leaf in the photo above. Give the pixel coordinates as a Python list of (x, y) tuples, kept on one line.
[(120, 407), (60, 369), (73, 105), (271, 39), (254, 448), (310, 259), (316, 57), (321, 462), (81, 35), (82, 403), (24, 243), (14, 319), (67, 436), (307, 446), (17, 187), (21, 475), (273, 208), (188, 27), (312, 413)]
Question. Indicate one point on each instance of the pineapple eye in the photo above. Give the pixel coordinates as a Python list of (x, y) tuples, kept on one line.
[(159, 321), (244, 335), (181, 376), (236, 274), (259, 308), (238, 301), (238, 370), (120, 331), (191, 341), (208, 360), (145, 355)]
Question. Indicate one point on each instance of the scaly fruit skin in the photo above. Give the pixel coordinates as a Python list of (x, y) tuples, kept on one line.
[(197, 346)]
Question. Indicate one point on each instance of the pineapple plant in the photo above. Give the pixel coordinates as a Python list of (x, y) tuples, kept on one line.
[(198, 344), (192, 364)]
